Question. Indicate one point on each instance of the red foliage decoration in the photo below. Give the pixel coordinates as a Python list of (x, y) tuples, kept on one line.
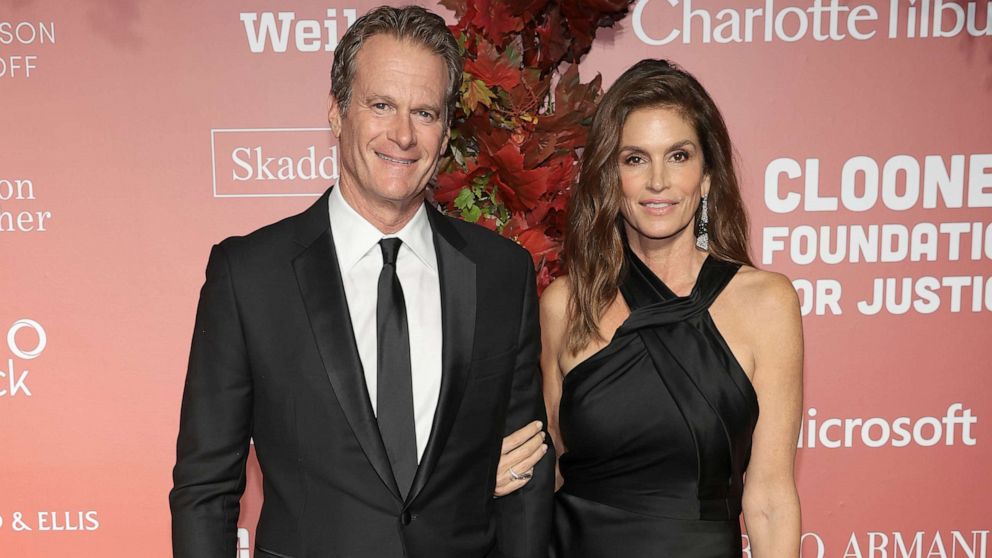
[(515, 141)]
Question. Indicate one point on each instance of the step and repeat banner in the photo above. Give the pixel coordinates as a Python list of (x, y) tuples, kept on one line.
[(134, 135)]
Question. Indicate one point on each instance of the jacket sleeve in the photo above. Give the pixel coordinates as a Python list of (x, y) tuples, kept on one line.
[(523, 526), (215, 424)]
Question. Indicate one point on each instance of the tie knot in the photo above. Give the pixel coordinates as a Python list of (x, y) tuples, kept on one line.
[(390, 248)]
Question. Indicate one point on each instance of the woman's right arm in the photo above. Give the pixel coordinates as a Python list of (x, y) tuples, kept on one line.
[(554, 305), (525, 447)]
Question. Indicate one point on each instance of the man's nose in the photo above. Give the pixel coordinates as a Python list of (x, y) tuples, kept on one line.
[(402, 132)]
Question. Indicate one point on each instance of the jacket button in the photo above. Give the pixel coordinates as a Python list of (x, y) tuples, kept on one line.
[(405, 518)]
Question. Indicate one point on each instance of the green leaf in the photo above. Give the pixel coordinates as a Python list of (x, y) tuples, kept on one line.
[(479, 184), (462, 41), (474, 92), (465, 199), (472, 214)]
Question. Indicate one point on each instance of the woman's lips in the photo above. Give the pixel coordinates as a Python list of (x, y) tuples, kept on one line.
[(658, 207)]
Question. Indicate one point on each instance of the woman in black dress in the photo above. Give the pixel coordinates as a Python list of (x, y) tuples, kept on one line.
[(663, 341)]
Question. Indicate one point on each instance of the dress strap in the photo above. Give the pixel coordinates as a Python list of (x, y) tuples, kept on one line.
[(651, 302), (639, 285), (714, 276)]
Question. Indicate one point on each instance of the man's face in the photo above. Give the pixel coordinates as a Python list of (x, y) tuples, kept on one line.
[(393, 131)]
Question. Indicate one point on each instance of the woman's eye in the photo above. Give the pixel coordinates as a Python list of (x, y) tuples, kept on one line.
[(680, 156), (634, 160)]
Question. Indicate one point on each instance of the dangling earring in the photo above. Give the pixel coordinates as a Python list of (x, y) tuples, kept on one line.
[(702, 226)]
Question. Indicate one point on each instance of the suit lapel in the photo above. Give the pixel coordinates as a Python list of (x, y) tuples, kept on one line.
[(323, 293), (458, 302)]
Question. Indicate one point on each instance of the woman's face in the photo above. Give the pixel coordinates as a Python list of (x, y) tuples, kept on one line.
[(661, 174)]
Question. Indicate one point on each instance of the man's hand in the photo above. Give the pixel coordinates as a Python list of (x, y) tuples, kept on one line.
[(521, 451)]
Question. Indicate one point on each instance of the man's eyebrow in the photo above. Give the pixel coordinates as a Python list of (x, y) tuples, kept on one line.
[(428, 106), (371, 97)]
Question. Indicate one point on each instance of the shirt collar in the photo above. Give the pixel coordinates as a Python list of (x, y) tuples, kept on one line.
[(363, 236)]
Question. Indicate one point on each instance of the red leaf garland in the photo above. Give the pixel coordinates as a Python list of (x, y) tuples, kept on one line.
[(515, 143), (492, 68)]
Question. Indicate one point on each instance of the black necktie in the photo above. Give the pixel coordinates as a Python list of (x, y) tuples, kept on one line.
[(394, 408)]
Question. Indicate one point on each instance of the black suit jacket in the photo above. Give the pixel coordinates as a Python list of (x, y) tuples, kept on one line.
[(274, 358)]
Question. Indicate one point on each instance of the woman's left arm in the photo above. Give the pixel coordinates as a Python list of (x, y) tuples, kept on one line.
[(771, 502)]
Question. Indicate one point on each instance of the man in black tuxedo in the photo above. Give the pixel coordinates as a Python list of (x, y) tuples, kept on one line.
[(376, 350)]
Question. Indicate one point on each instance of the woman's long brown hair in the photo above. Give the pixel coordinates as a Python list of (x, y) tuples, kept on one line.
[(593, 248)]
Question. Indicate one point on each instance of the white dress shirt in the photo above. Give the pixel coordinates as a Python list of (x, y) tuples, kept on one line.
[(356, 242)]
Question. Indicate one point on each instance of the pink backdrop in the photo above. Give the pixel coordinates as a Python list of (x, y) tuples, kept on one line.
[(133, 135)]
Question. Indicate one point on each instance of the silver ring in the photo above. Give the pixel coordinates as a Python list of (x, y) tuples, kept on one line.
[(520, 476)]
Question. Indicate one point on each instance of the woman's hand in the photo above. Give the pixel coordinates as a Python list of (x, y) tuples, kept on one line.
[(521, 451)]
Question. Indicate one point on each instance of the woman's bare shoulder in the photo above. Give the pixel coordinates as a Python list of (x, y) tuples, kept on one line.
[(764, 308), (765, 293), (554, 299)]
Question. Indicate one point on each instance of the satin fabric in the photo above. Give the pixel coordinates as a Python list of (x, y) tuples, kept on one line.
[(657, 427)]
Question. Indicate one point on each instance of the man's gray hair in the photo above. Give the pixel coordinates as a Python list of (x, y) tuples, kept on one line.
[(409, 23)]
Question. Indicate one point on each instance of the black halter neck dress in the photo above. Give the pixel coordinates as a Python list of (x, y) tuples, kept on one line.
[(657, 427)]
